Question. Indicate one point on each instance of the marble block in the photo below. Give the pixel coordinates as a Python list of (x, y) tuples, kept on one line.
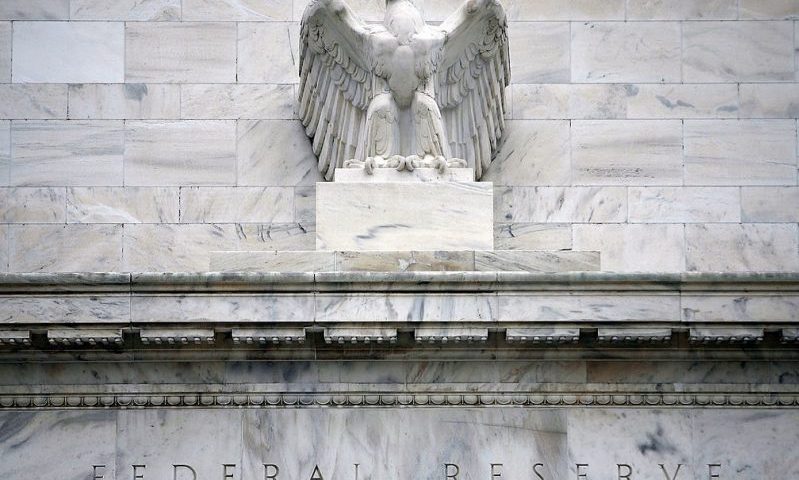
[(396, 216)]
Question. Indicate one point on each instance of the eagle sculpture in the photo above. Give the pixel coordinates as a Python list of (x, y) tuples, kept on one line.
[(404, 94)]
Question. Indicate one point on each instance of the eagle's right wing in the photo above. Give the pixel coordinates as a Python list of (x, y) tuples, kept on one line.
[(336, 84)]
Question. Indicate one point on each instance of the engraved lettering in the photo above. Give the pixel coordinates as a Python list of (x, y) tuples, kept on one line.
[(95, 474), (136, 474), (580, 473), (316, 475), (495, 473), (626, 475), (447, 471), (225, 473), (666, 473), (712, 472), (271, 476), (175, 468), (535, 470)]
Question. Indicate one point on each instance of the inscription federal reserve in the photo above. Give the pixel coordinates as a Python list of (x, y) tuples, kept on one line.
[(446, 471)]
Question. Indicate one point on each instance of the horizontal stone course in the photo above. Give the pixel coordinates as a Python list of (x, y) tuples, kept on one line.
[(33, 101), (127, 10), (124, 101)]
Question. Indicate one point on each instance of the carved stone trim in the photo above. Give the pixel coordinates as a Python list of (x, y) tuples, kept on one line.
[(378, 399)]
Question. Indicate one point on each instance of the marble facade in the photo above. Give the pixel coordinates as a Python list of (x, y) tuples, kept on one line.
[(615, 299)]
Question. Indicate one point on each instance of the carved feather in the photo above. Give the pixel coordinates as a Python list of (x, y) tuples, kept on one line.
[(472, 76), (336, 81)]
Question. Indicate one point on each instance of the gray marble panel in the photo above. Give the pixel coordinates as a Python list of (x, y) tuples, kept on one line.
[(239, 309), (769, 100), (625, 52), (129, 10), (57, 444), (560, 204), (626, 152), (180, 52), (641, 439), (5, 52), (170, 247), (65, 248), (684, 204), (674, 372), (769, 9), (251, 101), (367, 216), (424, 174), (305, 204), (68, 52), (578, 101), (239, 10), (4, 248), (520, 260), (122, 205), (67, 153), (472, 439), (267, 52), (277, 236), (737, 51), (190, 152), (124, 101), (33, 102), (563, 9), (400, 308), (682, 101), (634, 247), (539, 52), (743, 152), (5, 152), (770, 204), (404, 261), (532, 236), (740, 308), (575, 307), (532, 153), (275, 152), (65, 310), (746, 444), (682, 9), (34, 9), (236, 204), (160, 439), (742, 248), (32, 205), (266, 261)]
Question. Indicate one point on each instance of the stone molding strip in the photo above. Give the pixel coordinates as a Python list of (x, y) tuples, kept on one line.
[(210, 282), (377, 399)]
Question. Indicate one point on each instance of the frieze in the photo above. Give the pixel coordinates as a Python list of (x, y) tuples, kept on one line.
[(376, 399)]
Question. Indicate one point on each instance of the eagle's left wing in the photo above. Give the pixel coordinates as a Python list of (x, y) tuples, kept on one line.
[(472, 76)]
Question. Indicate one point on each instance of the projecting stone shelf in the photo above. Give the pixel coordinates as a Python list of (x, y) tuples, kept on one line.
[(433, 261)]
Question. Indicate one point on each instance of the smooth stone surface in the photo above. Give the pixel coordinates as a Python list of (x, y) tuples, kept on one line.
[(737, 51), (404, 216), (122, 205), (124, 101), (68, 52), (130, 10), (33, 101), (5, 51), (181, 52), (386, 443), (408, 261), (359, 175), (67, 153), (625, 52)]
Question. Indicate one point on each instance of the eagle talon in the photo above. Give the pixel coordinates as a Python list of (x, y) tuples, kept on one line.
[(369, 166)]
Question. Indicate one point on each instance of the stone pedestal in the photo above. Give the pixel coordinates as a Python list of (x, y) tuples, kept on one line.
[(401, 211)]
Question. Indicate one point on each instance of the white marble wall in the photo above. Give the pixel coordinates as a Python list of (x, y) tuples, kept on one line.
[(144, 134), (497, 443)]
